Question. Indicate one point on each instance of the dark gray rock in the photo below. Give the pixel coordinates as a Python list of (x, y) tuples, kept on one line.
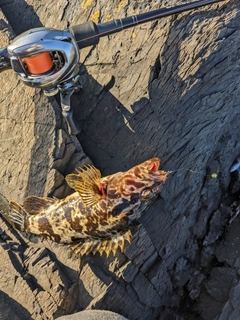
[(229, 251), (169, 88)]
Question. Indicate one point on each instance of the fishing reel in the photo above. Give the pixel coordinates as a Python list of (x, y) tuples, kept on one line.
[(48, 59), (45, 58)]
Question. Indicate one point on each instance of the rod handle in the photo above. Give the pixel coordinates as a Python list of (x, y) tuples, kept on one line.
[(85, 34)]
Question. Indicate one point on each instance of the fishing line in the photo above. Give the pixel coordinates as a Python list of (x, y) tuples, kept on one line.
[(213, 175)]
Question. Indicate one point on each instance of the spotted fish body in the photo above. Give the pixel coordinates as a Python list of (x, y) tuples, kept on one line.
[(99, 215)]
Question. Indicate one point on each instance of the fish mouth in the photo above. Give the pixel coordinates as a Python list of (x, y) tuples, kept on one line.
[(156, 174), (154, 165)]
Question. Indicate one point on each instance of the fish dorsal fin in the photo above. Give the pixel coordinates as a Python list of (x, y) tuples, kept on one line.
[(87, 183), (34, 205)]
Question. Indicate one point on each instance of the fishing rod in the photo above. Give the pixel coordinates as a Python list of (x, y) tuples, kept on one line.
[(48, 58)]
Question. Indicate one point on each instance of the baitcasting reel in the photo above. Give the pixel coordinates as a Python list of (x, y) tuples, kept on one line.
[(45, 58), (48, 59)]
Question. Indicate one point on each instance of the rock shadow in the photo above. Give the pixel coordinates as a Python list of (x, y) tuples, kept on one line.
[(11, 309), (21, 15)]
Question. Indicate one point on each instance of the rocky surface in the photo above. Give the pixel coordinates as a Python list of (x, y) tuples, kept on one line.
[(169, 88)]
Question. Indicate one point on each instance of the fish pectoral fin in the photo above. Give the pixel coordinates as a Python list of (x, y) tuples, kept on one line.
[(16, 216), (71, 178), (34, 205), (108, 246), (87, 183)]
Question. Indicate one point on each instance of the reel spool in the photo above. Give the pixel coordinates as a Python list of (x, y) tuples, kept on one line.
[(45, 58), (40, 63)]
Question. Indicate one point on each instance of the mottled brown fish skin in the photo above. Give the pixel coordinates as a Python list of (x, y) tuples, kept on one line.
[(101, 209), (70, 220)]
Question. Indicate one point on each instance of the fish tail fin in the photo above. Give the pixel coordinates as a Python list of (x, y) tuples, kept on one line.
[(17, 216)]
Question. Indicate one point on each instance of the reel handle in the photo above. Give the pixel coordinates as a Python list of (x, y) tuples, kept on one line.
[(65, 100), (72, 127)]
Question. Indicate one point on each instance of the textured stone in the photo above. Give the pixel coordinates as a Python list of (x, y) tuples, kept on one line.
[(169, 88), (228, 251)]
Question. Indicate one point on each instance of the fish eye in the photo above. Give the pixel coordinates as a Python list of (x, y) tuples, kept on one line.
[(146, 192)]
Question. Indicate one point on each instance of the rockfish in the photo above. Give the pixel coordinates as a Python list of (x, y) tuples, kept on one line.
[(98, 216)]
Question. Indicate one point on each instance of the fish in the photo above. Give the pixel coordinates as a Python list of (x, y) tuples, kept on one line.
[(100, 215)]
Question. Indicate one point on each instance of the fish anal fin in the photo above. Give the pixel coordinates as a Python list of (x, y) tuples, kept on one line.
[(82, 247), (107, 246), (113, 245), (34, 205)]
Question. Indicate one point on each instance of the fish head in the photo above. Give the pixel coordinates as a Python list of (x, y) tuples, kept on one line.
[(130, 193), (123, 194)]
